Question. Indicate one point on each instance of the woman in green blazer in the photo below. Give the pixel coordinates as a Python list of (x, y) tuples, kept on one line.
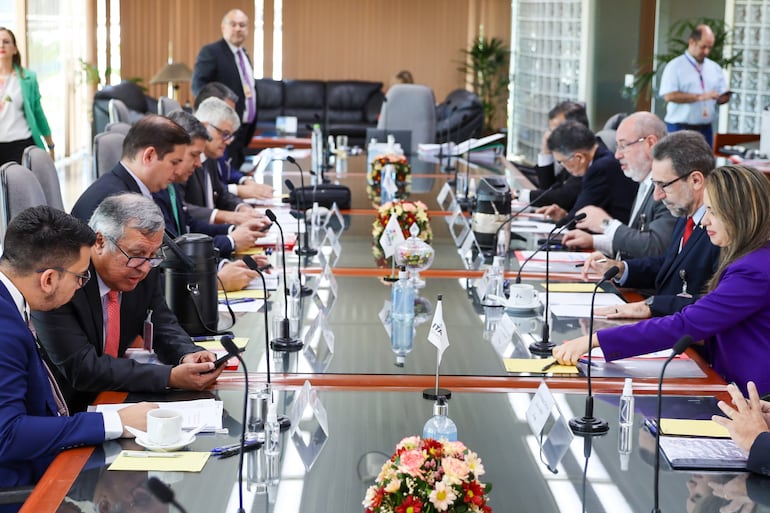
[(22, 120)]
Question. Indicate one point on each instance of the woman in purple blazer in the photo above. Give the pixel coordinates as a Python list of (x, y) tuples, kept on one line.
[(733, 318)]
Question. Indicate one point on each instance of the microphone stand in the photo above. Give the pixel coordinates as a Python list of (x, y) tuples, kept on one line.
[(449, 165), (588, 425), (519, 212), (305, 249), (682, 344), (163, 493), (285, 342)]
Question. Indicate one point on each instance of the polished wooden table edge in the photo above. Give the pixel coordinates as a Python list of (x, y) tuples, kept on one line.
[(50, 491)]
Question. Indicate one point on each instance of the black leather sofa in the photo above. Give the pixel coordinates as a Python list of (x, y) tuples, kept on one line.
[(459, 117), (345, 107)]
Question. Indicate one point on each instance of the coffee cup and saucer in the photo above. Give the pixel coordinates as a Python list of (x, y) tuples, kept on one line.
[(522, 298), (164, 432)]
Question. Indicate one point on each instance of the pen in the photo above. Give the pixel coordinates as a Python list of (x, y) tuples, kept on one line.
[(207, 338), (586, 362), (232, 452), (146, 454), (237, 301), (552, 364), (230, 447), (600, 261)]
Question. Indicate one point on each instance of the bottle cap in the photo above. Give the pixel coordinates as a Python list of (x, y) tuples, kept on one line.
[(440, 407), (400, 360), (628, 387), (402, 275)]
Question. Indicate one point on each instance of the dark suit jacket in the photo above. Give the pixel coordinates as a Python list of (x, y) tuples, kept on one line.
[(605, 186), (31, 432), (566, 188), (195, 192), (216, 63), (759, 455), (698, 258), (116, 181), (190, 224), (73, 337), (648, 234)]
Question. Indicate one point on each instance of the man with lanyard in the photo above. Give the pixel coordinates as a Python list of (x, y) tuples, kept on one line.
[(693, 85)]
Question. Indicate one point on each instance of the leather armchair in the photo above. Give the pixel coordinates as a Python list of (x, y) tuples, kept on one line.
[(459, 117), (351, 107)]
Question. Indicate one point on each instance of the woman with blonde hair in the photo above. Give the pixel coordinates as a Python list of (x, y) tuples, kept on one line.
[(22, 120), (733, 318)]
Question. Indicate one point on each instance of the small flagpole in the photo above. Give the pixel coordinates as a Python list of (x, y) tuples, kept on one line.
[(438, 351)]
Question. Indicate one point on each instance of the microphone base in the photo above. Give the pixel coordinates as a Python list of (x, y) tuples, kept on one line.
[(466, 204), (390, 278), (286, 344), (589, 426), (541, 348), (305, 291), (431, 395), (306, 251)]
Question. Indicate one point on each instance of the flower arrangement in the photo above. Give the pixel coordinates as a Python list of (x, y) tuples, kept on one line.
[(399, 163), (428, 476), (408, 213)]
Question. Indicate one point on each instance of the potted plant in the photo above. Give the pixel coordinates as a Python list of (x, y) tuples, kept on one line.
[(486, 66), (678, 41)]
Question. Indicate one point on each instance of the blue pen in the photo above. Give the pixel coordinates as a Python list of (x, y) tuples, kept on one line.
[(237, 301), (207, 338), (584, 361)]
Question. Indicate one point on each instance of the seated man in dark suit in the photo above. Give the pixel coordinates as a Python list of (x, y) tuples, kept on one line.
[(681, 163), (44, 263), (153, 149), (206, 196), (576, 148), (87, 338), (651, 224)]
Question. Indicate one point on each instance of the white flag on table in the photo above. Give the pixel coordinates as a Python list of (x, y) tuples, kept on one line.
[(437, 334), (388, 180), (391, 237)]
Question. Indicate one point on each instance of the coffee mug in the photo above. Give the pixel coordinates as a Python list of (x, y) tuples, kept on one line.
[(522, 294), (164, 427)]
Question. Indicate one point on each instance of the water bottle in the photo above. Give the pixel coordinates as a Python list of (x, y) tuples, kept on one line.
[(316, 152), (496, 280), (440, 427), (402, 317), (272, 431), (625, 423), (295, 294), (388, 183)]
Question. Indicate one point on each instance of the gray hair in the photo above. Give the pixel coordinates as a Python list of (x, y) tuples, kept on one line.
[(214, 111), (194, 128), (126, 210), (688, 151), (646, 123)]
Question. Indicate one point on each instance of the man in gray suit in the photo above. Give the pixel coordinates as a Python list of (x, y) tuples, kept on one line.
[(649, 229)]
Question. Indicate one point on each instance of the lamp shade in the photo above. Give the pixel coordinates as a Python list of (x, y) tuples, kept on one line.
[(173, 72)]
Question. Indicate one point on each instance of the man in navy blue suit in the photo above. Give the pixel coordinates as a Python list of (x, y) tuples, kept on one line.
[(226, 61), (46, 260), (681, 162)]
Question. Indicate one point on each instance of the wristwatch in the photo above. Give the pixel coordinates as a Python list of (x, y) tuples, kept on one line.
[(606, 223), (649, 302)]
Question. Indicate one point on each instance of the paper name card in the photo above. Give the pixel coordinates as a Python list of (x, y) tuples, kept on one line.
[(688, 427), (216, 345)]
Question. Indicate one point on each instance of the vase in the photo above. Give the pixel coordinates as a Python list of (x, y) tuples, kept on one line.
[(415, 255)]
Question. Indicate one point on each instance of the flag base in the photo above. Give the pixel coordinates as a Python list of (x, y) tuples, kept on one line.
[(432, 394)]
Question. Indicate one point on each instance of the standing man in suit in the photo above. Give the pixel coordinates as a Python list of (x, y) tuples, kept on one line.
[(226, 61), (87, 338), (576, 148), (681, 163), (44, 263), (206, 196), (154, 147), (651, 224)]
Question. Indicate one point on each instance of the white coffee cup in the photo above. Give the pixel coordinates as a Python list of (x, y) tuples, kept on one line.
[(522, 294), (164, 426)]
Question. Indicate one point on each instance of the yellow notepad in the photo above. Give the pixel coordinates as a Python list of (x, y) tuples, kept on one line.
[(535, 366), (181, 462), (241, 294), (687, 427), (215, 345), (572, 287)]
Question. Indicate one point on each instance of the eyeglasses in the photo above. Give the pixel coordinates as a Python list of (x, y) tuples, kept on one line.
[(624, 146), (562, 162), (662, 185), (82, 277), (135, 262), (226, 135)]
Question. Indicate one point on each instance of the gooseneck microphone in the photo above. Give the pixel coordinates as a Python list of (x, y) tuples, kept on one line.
[(681, 344), (588, 425), (284, 342), (251, 264), (163, 493), (544, 346), (231, 348), (304, 249), (449, 164)]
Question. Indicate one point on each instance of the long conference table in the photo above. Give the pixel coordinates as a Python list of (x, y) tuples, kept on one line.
[(353, 404)]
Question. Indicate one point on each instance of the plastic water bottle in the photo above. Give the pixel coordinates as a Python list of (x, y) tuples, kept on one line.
[(625, 423), (496, 279), (402, 317), (440, 427), (388, 183), (295, 294), (316, 151), (272, 431)]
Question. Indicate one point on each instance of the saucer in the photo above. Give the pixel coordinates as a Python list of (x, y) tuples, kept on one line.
[(522, 308), (186, 440)]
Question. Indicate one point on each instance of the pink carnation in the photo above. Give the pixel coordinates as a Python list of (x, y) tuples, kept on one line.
[(411, 463)]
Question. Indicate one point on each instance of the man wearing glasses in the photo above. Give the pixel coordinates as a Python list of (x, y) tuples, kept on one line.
[(649, 229), (681, 163), (86, 339), (206, 197)]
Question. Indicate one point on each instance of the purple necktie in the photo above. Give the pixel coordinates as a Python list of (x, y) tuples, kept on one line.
[(247, 88)]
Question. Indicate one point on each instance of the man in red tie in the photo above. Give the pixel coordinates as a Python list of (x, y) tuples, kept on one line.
[(87, 338), (226, 61), (45, 262), (681, 163)]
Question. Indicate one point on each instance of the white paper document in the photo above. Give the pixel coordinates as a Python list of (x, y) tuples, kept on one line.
[(200, 412)]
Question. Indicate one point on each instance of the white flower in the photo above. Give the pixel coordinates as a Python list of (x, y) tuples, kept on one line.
[(442, 496)]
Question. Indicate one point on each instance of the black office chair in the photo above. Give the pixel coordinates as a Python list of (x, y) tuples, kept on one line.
[(459, 117), (15, 494)]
